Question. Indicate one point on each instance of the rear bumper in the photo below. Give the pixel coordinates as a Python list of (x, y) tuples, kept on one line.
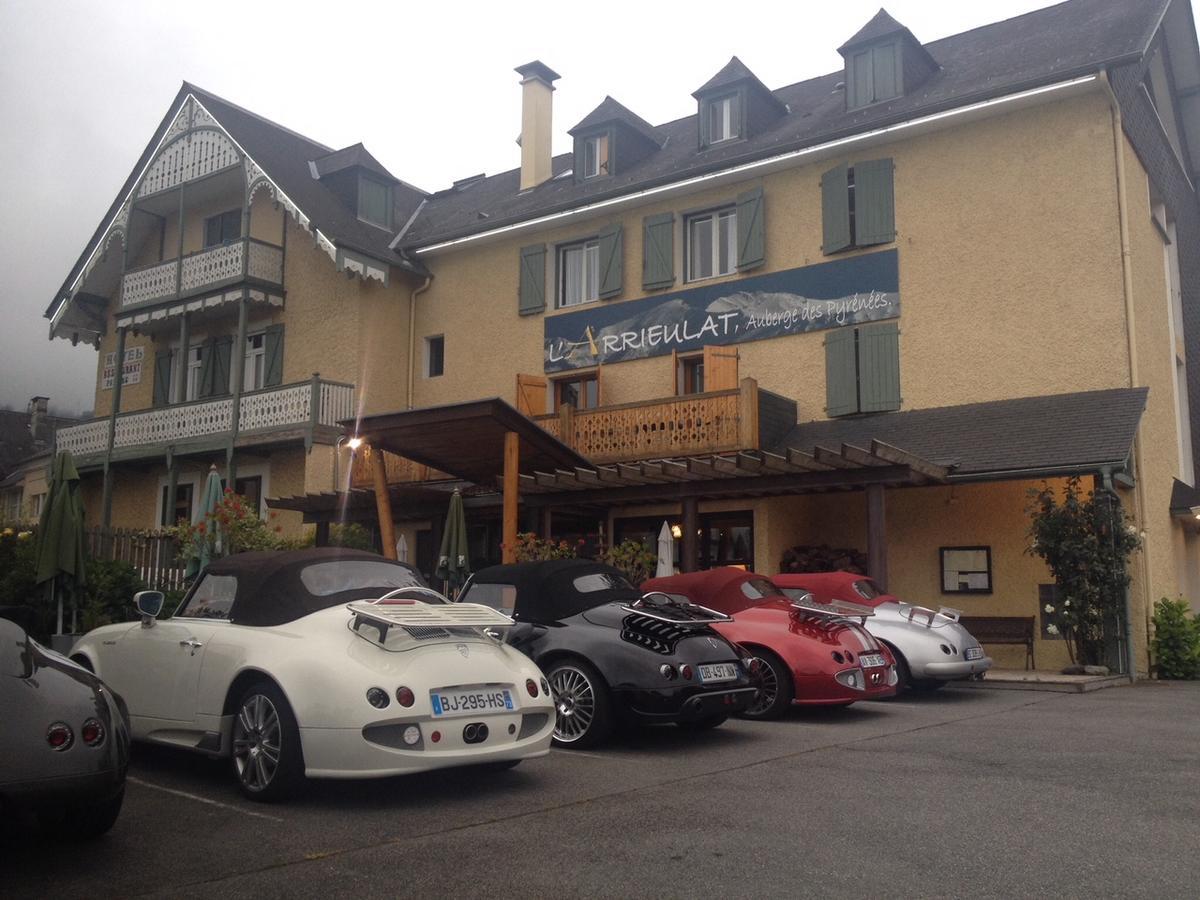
[(654, 706), (88, 788), (949, 671), (825, 690)]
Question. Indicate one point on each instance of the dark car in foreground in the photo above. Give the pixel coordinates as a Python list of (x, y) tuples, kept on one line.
[(64, 743), (612, 655)]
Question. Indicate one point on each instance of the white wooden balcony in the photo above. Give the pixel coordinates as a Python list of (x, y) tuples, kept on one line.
[(301, 407), (242, 260)]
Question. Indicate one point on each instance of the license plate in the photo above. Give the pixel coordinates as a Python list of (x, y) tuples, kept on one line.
[(718, 672), (471, 701), (871, 660), (973, 653)]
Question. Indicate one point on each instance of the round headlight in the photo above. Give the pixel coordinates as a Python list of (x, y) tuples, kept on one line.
[(378, 697)]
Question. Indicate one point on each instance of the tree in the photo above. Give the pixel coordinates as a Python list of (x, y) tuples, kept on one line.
[(1086, 542)]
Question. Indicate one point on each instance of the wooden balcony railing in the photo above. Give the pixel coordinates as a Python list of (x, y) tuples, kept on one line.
[(307, 404), (228, 263), (712, 422), (399, 469)]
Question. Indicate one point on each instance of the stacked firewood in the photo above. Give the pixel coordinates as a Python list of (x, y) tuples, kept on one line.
[(823, 558)]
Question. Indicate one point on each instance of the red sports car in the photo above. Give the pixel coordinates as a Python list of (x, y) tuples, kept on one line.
[(807, 657)]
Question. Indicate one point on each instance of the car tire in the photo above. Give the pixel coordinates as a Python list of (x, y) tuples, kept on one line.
[(777, 691), (583, 708), (903, 672), (91, 820), (926, 686), (267, 758), (705, 724)]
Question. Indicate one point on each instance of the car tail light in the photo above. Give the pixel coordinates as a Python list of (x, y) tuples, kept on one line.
[(531, 686), (436, 736), (59, 736), (377, 697), (849, 657), (545, 687), (838, 658), (92, 732), (686, 672), (404, 696), (946, 650)]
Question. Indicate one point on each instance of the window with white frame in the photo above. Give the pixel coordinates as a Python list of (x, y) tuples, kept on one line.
[(723, 119), (195, 366), (254, 366), (711, 244), (578, 273), (595, 156)]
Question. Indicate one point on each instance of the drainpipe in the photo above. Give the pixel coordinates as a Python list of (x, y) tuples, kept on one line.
[(412, 338), (1131, 340)]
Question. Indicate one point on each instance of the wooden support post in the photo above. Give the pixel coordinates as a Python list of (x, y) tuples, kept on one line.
[(512, 462), (237, 362), (748, 414), (689, 557), (383, 504), (546, 524), (168, 513), (877, 536), (322, 534), (118, 381), (179, 388)]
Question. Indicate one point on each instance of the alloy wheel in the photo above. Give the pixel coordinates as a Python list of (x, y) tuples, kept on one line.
[(767, 692), (257, 738), (574, 703)]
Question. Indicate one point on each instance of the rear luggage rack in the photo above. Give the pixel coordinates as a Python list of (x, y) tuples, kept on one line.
[(665, 608), (424, 621), (909, 611), (654, 633)]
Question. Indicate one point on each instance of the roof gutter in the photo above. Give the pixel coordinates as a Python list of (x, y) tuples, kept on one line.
[(980, 109)]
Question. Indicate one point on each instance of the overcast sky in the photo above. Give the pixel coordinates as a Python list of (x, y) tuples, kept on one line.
[(429, 88)]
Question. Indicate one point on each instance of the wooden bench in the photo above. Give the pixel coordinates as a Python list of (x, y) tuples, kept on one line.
[(1003, 630)]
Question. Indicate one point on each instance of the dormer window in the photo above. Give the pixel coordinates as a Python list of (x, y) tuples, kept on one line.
[(374, 202), (723, 119), (884, 60), (873, 76), (595, 156)]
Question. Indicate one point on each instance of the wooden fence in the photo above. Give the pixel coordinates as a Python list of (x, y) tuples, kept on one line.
[(152, 553)]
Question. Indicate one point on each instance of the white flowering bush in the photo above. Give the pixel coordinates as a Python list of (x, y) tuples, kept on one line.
[(1086, 541)]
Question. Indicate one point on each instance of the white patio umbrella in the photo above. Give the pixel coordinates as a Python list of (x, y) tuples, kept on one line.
[(666, 552), (402, 549)]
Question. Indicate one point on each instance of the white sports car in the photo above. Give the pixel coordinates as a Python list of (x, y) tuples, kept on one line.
[(324, 663)]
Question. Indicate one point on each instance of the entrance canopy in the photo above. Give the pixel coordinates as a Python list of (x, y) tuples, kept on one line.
[(466, 440)]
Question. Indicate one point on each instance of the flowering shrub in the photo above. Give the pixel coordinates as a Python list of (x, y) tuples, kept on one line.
[(232, 527), (531, 548), (1176, 640), (1086, 542), (634, 559)]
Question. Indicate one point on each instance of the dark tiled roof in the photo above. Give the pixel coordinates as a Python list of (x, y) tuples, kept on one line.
[(881, 25), (1080, 432), (609, 111), (16, 441), (733, 72), (1184, 498), (347, 157), (1048, 45)]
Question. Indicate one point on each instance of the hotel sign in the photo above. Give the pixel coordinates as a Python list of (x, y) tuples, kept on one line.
[(131, 371), (827, 295)]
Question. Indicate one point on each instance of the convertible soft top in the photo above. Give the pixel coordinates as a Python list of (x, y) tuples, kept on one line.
[(271, 590), (720, 587), (550, 591)]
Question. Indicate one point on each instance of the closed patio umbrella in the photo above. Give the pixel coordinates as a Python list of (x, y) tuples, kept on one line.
[(666, 552), (402, 549), (211, 543), (453, 565), (60, 553)]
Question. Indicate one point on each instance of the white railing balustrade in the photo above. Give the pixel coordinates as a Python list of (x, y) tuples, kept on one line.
[(285, 407), (217, 265), (213, 266), (151, 283)]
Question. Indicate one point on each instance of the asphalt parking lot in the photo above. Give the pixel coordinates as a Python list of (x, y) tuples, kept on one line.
[(965, 793)]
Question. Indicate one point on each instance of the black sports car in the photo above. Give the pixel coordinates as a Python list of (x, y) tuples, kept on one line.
[(611, 654), (64, 743)]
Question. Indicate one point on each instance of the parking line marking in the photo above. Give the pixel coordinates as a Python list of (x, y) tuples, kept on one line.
[(237, 809), (569, 753)]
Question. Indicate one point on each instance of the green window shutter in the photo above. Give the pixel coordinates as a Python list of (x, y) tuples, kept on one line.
[(579, 145), (207, 362), (874, 203), (841, 373), (273, 356), (533, 280), (883, 72), (835, 210), (879, 366), (222, 351), (612, 259), (658, 251), (751, 243), (162, 378), (861, 89)]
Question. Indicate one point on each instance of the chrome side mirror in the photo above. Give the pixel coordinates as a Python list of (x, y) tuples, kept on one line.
[(149, 604)]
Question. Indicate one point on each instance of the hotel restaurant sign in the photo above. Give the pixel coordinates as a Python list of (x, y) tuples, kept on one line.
[(827, 295)]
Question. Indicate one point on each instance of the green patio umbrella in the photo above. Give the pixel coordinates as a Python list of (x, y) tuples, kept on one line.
[(60, 552), (453, 565), (211, 544)]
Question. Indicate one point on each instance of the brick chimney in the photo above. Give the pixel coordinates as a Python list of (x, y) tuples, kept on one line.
[(37, 410), (537, 89)]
